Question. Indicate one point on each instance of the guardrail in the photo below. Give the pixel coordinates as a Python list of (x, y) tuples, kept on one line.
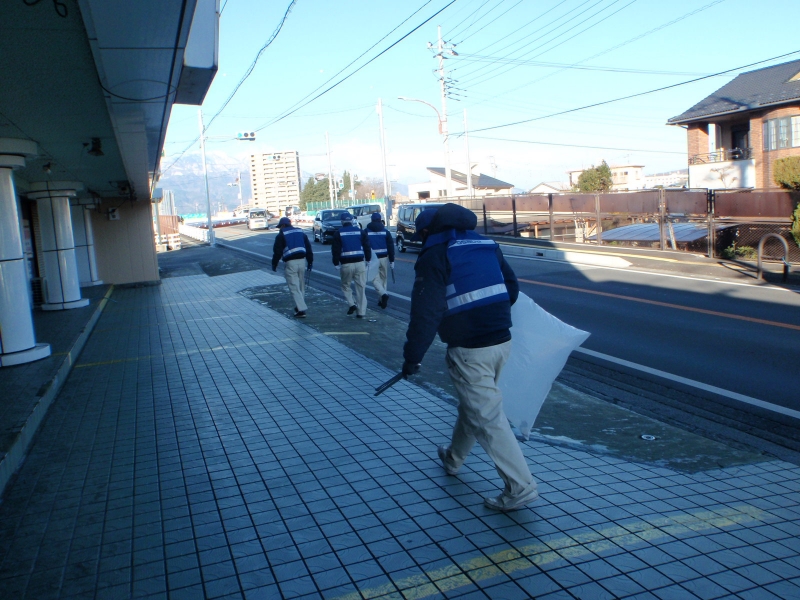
[(193, 232)]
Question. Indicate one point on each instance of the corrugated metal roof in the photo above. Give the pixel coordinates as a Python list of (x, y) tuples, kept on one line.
[(748, 91), (481, 181), (648, 232)]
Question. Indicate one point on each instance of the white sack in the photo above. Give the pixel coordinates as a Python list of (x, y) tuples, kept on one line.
[(372, 269), (540, 346)]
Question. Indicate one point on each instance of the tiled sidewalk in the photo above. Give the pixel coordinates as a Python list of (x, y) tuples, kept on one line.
[(205, 446)]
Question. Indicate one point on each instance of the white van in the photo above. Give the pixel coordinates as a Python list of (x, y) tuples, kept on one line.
[(257, 218), (362, 213)]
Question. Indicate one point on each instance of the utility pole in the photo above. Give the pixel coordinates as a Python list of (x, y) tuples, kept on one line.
[(386, 185), (205, 175), (330, 169), (443, 86), (469, 164)]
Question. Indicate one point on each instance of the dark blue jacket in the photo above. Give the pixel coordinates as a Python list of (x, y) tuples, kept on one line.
[(370, 234), (478, 327), (336, 247), (280, 245)]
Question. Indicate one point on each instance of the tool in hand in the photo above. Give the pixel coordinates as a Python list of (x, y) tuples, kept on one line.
[(385, 386), (393, 280)]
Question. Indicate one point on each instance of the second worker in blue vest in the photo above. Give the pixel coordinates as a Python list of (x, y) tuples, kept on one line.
[(380, 240), (349, 253), (464, 289), (292, 246)]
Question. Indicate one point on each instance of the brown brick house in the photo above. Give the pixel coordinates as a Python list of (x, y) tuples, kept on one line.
[(735, 134)]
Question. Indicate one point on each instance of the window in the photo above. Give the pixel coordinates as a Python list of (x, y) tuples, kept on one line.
[(781, 133)]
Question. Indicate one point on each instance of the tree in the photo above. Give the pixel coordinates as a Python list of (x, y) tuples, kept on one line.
[(595, 179), (314, 191), (786, 173)]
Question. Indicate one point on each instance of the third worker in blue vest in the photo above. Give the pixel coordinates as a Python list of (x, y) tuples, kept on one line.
[(464, 290), (291, 245), (350, 253), (380, 240)]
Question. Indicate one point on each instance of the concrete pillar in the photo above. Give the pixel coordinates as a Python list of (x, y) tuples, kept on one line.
[(84, 244), (17, 339), (61, 283)]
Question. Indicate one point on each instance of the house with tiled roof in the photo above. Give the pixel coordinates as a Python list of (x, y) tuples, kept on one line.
[(482, 185), (735, 135)]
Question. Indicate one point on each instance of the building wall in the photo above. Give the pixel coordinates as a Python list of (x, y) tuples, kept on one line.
[(697, 137), (125, 248), (764, 160), (275, 180)]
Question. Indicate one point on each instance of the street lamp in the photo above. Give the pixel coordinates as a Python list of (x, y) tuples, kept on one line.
[(442, 131)]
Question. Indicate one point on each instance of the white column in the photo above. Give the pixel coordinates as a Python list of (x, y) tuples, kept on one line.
[(84, 245), (61, 285), (17, 339)]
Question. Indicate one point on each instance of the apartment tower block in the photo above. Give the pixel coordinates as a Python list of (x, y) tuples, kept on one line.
[(275, 180)]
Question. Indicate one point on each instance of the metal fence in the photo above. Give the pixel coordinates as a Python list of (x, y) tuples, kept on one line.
[(721, 224)]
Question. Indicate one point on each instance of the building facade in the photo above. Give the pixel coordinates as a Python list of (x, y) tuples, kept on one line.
[(735, 135), (482, 185), (275, 180), (624, 177)]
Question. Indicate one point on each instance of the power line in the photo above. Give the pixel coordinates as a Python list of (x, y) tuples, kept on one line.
[(343, 69), (255, 62), (595, 24), (536, 63), (479, 19), (374, 58), (481, 137), (625, 43), (660, 89), (505, 12)]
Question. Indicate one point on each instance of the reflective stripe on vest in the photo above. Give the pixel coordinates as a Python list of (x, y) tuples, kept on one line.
[(294, 242), (377, 241), (351, 242), (475, 275)]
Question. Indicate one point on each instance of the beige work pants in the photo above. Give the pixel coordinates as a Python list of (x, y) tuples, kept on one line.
[(475, 372), (381, 280), (295, 273), (355, 273)]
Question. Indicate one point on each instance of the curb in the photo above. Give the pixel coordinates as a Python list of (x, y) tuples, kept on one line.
[(581, 258), (19, 448)]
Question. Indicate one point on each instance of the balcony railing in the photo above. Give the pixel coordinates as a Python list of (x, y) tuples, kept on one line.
[(721, 155)]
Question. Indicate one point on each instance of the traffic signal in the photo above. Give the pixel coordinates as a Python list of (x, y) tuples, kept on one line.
[(246, 136), (341, 183)]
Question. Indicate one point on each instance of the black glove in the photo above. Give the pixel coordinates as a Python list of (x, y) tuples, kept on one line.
[(309, 267), (410, 368)]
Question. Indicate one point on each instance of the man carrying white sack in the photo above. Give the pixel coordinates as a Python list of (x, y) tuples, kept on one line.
[(464, 289)]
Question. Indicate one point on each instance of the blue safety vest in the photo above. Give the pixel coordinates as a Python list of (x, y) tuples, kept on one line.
[(351, 242), (475, 275), (295, 243), (377, 241)]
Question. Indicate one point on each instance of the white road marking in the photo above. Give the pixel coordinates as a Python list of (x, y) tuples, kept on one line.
[(722, 281), (695, 384), (631, 365)]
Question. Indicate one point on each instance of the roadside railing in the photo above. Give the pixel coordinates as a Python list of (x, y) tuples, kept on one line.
[(721, 155), (717, 223)]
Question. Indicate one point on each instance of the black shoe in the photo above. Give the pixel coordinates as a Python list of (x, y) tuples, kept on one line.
[(384, 300), (300, 314), (352, 309), (359, 316)]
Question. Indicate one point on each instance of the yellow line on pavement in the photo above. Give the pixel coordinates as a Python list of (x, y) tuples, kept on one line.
[(565, 547), (667, 305)]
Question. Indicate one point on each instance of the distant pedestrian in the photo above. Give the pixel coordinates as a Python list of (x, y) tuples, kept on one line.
[(380, 241), (349, 253), (292, 245), (464, 290)]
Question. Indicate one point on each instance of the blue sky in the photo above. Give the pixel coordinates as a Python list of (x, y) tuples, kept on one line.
[(501, 45)]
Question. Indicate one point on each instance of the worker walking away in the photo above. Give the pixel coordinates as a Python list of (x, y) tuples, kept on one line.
[(350, 255), (380, 241), (292, 246), (464, 290)]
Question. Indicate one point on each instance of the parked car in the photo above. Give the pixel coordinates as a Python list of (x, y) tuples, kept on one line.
[(326, 223), (406, 215), (362, 213)]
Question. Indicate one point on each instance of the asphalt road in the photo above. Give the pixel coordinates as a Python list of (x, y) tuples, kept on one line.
[(727, 333)]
